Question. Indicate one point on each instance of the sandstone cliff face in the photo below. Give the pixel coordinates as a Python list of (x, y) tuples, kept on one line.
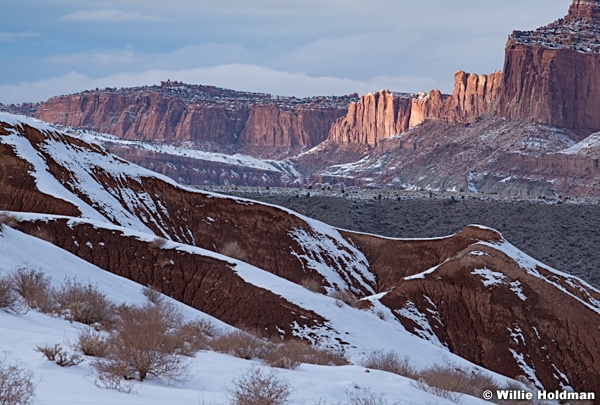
[(551, 74), (473, 95), (268, 125), (375, 116), (382, 114), (175, 112)]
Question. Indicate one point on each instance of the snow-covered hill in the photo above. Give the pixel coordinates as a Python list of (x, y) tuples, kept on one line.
[(211, 373), (249, 263)]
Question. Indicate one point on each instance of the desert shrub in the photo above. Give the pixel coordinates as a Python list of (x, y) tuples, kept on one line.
[(234, 250), (344, 296), (364, 396), (390, 362), (111, 377), (9, 299), (292, 353), (16, 383), (259, 387), (85, 304), (7, 219), (43, 234), (91, 343), (153, 295), (450, 382), (158, 243), (195, 336), (240, 344), (34, 287), (59, 355), (312, 284), (144, 342)]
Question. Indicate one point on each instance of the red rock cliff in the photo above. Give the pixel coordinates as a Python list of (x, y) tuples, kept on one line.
[(551, 74), (179, 112), (383, 114), (375, 116)]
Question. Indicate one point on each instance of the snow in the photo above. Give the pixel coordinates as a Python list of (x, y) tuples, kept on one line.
[(210, 373), (590, 144), (490, 277), (529, 371), (189, 151), (424, 329), (317, 248), (515, 287), (531, 266)]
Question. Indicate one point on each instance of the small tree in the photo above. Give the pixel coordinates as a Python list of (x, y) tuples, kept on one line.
[(16, 383), (259, 387)]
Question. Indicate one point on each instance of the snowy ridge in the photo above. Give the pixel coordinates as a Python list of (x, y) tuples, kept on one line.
[(347, 322), (74, 385), (21, 334), (531, 265), (590, 144), (119, 204), (188, 150)]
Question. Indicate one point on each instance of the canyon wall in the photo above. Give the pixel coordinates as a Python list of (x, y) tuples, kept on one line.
[(376, 115), (382, 114), (176, 112), (552, 75)]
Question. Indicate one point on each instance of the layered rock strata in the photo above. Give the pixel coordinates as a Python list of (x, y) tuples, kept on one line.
[(177, 112), (551, 74), (382, 114)]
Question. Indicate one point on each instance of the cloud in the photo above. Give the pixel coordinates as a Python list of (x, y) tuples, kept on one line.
[(17, 36), (243, 77), (108, 16), (101, 59)]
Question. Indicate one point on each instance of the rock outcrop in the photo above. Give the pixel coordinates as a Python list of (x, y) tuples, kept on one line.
[(382, 114), (375, 116), (177, 112), (551, 74), (473, 96)]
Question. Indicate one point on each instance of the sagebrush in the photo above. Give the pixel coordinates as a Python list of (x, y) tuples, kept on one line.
[(16, 383), (258, 386), (145, 342)]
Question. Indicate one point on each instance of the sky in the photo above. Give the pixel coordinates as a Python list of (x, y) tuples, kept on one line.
[(283, 47)]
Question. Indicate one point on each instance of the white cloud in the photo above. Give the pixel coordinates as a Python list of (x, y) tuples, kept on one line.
[(108, 16), (17, 36), (243, 77), (97, 58)]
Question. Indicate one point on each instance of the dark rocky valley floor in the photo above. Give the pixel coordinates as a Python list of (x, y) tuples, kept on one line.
[(564, 234)]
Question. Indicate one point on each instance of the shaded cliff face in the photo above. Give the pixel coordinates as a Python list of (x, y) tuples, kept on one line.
[(176, 112), (551, 74), (380, 115)]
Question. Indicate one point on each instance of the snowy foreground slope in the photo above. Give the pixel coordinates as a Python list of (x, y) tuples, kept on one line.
[(470, 300), (211, 373)]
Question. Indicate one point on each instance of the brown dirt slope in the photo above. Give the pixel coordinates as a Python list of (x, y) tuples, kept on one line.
[(482, 299), (472, 292)]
